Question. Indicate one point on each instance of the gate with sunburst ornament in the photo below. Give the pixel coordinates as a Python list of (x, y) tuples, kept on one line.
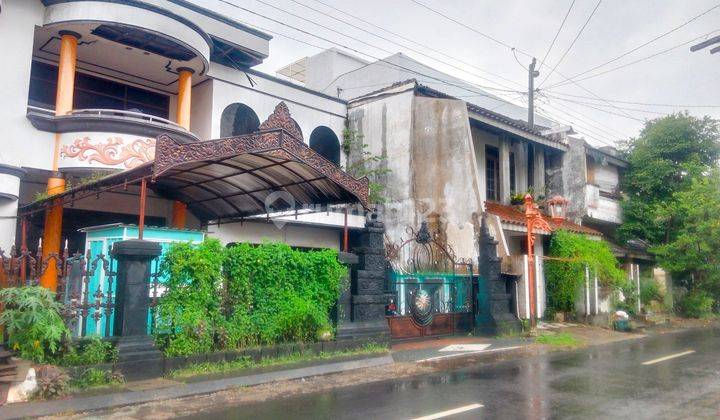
[(436, 293)]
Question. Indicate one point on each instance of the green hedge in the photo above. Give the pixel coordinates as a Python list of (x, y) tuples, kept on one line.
[(564, 278), (246, 295)]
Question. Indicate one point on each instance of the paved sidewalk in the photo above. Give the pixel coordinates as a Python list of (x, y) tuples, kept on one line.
[(454, 347), (82, 404)]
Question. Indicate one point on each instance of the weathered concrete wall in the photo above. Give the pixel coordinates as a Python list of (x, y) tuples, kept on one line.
[(385, 126), (574, 179), (444, 169), (433, 175)]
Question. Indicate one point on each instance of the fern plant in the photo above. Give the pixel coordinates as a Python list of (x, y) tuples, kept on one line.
[(31, 317)]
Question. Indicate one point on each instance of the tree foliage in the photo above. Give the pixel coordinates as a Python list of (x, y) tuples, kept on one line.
[(672, 201), (669, 153), (692, 253)]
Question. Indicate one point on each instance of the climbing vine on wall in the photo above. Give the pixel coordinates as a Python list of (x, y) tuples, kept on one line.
[(565, 276), (361, 162)]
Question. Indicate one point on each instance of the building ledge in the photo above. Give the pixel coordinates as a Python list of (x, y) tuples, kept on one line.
[(107, 120)]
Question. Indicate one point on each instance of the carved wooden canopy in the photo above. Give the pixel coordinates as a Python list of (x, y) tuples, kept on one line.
[(269, 170)]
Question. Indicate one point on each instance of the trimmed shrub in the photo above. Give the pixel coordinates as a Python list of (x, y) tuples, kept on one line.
[(189, 314), (245, 295)]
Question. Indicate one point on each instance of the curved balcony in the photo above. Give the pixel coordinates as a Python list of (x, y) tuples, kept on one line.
[(129, 40), (106, 138)]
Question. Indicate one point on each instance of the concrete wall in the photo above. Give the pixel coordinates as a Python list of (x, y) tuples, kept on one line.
[(323, 68), (431, 157), (293, 235), (22, 144), (604, 175), (201, 117), (574, 181), (307, 109)]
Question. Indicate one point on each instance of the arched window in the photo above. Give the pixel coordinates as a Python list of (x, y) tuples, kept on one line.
[(238, 119), (324, 141)]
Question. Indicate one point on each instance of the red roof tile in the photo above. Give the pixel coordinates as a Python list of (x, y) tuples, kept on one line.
[(510, 214)]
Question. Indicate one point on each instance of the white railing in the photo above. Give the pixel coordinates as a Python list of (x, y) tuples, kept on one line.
[(110, 113)]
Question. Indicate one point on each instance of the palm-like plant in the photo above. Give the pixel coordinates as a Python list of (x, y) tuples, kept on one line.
[(31, 317)]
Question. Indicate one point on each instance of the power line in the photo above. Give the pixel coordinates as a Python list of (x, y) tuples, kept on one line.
[(589, 120), (639, 103), (499, 76), (646, 43), (507, 46), (585, 129), (600, 109), (467, 27), (567, 50), (602, 105), (557, 33), (559, 84), (366, 54), (480, 93), (518, 61), (402, 46), (599, 126), (364, 42)]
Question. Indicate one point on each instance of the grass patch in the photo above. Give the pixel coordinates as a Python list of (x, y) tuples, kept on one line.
[(95, 378), (562, 339), (247, 363)]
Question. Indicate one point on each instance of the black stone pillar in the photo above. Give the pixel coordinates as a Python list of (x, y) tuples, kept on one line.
[(367, 290), (493, 315), (137, 356), (344, 303)]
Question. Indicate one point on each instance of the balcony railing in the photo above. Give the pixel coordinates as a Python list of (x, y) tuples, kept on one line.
[(124, 114), (107, 121)]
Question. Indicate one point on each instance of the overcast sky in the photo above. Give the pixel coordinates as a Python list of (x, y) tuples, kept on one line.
[(617, 26)]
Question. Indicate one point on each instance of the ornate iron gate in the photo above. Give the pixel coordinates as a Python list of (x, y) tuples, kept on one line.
[(86, 286), (436, 293)]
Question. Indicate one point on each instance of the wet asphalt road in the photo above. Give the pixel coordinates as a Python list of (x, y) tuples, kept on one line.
[(601, 382)]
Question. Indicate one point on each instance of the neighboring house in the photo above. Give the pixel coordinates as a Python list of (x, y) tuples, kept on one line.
[(451, 159), (138, 69), (592, 177)]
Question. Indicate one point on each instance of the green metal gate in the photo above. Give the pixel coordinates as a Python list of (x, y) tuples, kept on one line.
[(436, 293)]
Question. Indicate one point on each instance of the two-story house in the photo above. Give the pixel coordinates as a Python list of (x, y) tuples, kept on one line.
[(89, 85)]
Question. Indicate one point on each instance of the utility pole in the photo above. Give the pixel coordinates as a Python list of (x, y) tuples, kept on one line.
[(532, 74)]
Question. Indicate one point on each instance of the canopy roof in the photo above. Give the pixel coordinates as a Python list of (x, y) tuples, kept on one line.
[(233, 177)]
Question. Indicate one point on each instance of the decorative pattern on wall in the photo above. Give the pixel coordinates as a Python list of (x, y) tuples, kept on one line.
[(113, 152)]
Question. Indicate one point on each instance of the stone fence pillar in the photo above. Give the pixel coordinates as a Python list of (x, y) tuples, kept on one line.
[(137, 355), (367, 288), (494, 314)]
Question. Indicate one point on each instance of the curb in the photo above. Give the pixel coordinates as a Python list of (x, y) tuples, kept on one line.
[(100, 402)]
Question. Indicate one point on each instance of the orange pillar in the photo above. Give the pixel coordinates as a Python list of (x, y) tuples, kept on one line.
[(56, 183), (184, 100), (184, 97), (178, 214)]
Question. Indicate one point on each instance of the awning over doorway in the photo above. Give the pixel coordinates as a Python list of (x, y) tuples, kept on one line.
[(234, 177)]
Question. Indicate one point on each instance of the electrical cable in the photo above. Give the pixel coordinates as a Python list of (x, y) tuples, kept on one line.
[(557, 33), (646, 43), (567, 50)]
